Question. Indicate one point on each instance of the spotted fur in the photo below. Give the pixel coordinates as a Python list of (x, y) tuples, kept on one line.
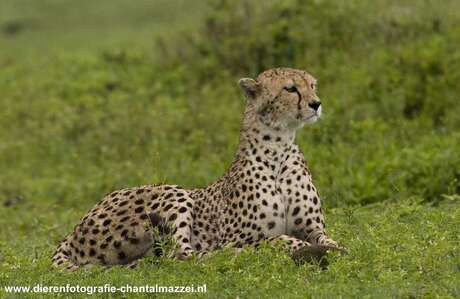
[(267, 195)]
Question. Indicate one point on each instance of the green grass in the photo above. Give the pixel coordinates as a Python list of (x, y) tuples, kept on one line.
[(96, 96), (395, 250)]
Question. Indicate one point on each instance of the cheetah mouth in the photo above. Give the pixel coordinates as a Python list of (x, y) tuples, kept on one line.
[(312, 118)]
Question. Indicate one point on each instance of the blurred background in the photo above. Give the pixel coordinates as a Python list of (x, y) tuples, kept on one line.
[(101, 95)]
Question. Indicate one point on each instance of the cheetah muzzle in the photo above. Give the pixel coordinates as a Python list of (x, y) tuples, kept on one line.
[(267, 194)]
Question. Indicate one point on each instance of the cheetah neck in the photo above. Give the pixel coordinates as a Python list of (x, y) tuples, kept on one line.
[(255, 133), (259, 145), (258, 140)]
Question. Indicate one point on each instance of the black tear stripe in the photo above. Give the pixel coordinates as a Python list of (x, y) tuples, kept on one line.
[(298, 94), (300, 100), (299, 107)]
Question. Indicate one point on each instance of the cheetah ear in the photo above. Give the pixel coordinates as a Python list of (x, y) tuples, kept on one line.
[(250, 87)]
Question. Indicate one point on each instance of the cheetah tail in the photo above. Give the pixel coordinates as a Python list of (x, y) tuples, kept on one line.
[(62, 259)]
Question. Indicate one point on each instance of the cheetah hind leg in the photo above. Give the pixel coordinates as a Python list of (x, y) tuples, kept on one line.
[(173, 239)]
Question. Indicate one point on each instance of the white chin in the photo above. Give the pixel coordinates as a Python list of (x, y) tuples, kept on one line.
[(314, 117), (311, 119)]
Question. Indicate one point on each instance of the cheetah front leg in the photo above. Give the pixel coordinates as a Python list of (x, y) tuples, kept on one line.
[(304, 215), (299, 250), (311, 229)]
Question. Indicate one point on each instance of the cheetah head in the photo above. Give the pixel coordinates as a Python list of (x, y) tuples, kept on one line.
[(282, 98)]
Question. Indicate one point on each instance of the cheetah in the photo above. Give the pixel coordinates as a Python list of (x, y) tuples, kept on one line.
[(267, 194)]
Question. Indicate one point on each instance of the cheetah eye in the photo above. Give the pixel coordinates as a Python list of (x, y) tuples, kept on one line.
[(313, 86), (290, 89)]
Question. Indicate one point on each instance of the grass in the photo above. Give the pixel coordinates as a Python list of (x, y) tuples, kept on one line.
[(47, 27), (395, 250), (100, 96)]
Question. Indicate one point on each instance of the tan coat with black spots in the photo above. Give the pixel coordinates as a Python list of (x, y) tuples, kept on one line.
[(266, 195)]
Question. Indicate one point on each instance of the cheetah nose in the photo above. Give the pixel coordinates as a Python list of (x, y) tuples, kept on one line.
[(314, 104)]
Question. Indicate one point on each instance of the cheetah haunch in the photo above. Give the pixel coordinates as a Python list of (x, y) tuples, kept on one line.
[(266, 195)]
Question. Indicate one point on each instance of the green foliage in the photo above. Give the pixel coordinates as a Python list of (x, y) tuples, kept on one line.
[(391, 71), (82, 116), (247, 36)]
